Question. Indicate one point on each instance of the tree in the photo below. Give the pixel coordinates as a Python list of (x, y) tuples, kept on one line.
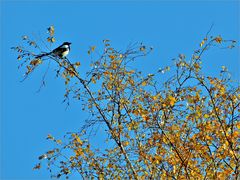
[(186, 127)]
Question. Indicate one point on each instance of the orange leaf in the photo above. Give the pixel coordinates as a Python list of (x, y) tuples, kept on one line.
[(218, 39)]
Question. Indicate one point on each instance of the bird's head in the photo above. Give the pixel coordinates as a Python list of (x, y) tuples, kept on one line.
[(67, 43)]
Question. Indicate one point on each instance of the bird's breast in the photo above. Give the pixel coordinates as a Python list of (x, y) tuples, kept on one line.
[(65, 53)]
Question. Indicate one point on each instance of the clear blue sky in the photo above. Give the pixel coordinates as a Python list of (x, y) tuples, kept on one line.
[(170, 27)]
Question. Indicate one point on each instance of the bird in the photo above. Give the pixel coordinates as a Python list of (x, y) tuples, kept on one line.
[(61, 51)]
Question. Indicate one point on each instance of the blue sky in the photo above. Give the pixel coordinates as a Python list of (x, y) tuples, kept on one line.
[(170, 27)]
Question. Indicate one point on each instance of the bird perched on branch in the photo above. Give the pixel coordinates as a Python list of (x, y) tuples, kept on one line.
[(61, 51)]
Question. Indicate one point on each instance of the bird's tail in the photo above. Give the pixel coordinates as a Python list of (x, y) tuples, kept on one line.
[(43, 54)]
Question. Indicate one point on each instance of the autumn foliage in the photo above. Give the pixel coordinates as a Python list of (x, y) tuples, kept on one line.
[(186, 127)]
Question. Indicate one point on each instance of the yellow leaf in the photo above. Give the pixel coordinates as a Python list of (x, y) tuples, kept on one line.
[(66, 81), (126, 143), (135, 112), (93, 48), (109, 86), (131, 81), (155, 97), (78, 140), (212, 81), (53, 39), (196, 65), (144, 83), (167, 68), (101, 177), (49, 136), (110, 165), (79, 152), (145, 117), (77, 64), (222, 90), (142, 48), (202, 43), (112, 57), (59, 141), (206, 116), (172, 100), (235, 134), (224, 68), (93, 80), (238, 125), (208, 137)]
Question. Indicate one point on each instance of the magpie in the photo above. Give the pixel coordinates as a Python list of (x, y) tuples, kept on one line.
[(61, 51)]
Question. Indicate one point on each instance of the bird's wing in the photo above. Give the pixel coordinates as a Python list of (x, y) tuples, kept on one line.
[(59, 50)]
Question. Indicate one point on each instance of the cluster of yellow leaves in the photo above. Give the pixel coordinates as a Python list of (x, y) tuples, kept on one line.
[(51, 39), (133, 125), (35, 62), (70, 72), (51, 31), (170, 100), (203, 41), (91, 49), (217, 39), (172, 133), (218, 86)]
